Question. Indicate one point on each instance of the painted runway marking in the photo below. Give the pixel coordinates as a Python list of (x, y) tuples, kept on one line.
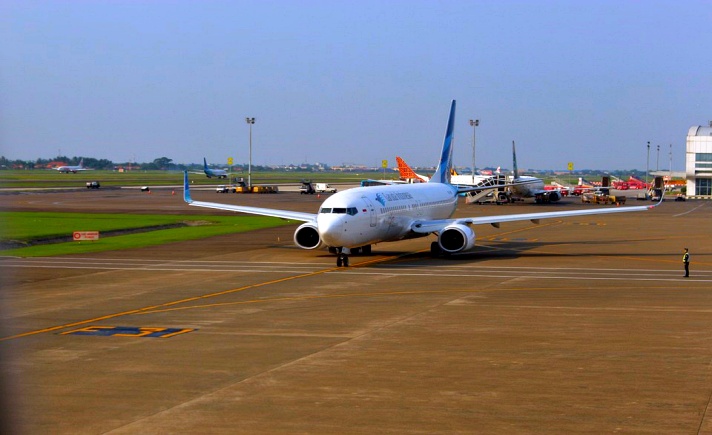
[(129, 331), (376, 266), (689, 211)]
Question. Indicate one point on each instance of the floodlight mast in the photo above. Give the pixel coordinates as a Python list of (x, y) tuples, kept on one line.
[(474, 123), (250, 121)]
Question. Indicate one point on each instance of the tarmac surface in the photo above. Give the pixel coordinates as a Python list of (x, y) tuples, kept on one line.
[(579, 325)]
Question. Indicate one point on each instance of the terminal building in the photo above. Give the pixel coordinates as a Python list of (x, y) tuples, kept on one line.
[(698, 162)]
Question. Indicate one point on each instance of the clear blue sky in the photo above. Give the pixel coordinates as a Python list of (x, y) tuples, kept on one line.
[(355, 81)]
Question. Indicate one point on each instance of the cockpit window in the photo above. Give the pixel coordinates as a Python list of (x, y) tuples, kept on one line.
[(351, 211)]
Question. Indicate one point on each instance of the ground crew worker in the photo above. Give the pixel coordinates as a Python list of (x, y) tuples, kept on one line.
[(686, 261)]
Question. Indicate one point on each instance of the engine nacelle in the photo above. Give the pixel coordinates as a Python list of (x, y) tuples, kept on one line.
[(307, 236), (456, 238), (554, 195)]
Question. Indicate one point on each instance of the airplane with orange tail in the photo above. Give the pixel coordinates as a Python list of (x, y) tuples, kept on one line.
[(408, 174)]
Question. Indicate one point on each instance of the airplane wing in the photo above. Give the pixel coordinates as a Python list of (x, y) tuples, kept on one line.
[(427, 227), (284, 214)]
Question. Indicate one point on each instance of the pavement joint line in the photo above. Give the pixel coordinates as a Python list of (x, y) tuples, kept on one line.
[(172, 303)]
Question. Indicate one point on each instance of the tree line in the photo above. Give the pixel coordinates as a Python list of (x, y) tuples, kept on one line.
[(159, 164)]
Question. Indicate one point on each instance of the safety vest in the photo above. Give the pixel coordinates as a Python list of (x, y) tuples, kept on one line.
[(686, 257)]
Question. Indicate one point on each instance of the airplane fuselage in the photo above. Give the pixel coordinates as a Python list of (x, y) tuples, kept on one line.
[(368, 215), (527, 187), (217, 173)]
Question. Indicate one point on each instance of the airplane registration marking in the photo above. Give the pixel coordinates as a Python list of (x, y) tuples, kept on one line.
[(129, 331)]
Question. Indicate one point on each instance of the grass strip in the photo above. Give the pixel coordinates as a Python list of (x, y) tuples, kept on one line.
[(32, 227)]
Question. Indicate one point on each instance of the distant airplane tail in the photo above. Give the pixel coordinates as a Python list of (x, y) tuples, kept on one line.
[(442, 174), (514, 161), (205, 164), (406, 173), (186, 188)]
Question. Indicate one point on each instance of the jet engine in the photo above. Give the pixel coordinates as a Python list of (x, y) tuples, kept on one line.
[(554, 195), (456, 238), (307, 236)]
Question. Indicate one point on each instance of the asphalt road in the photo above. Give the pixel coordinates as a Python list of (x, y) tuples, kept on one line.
[(582, 325)]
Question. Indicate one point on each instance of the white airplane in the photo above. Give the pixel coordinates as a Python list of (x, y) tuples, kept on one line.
[(73, 169), (217, 173), (531, 187), (352, 220), (407, 173)]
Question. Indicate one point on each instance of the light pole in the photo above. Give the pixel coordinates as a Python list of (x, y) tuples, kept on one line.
[(249, 164), (647, 165), (474, 123), (657, 161)]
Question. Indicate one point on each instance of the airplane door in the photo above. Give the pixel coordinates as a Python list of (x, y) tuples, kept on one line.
[(371, 210)]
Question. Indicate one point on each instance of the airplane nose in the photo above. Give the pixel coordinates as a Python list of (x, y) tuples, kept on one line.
[(331, 229)]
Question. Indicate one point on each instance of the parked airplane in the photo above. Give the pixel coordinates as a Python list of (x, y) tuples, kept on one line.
[(531, 187), (73, 169), (217, 173), (352, 220), (407, 173)]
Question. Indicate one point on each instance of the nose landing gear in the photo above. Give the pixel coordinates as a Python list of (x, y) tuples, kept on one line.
[(342, 257), (342, 260), (342, 254)]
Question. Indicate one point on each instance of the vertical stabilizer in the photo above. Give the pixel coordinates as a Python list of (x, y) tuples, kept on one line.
[(186, 188), (205, 164), (514, 161), (442, 174), (407, 173)]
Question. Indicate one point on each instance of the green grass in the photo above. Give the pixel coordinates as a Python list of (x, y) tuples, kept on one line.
[(29, 226)]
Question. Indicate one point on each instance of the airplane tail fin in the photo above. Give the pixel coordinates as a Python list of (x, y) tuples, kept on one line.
[(514, 161), (406, 173), (205, 163), (442, 174), (186, 188)]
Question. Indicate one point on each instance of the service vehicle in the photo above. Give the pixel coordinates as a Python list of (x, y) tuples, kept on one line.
[(306, 188), (93, 185), (324, 187)]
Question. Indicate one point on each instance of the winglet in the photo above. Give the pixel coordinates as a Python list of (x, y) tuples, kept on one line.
[(662, 198), (186, 188), (442, 174)]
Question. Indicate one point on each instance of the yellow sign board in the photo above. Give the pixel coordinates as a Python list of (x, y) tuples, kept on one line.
[(384, 164), (229, 160), (571, 166)]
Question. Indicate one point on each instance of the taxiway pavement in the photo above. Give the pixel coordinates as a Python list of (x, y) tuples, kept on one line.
[(574, 325)]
